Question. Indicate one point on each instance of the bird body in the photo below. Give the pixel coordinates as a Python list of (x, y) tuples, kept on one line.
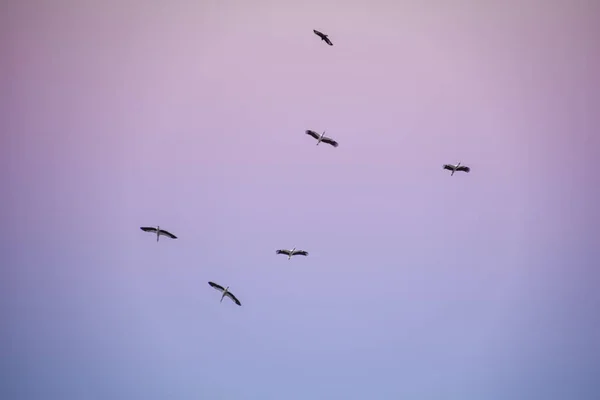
[(457, 167), (323, 37), (225, 292), (321, 138), (159, 232), (292, 252)]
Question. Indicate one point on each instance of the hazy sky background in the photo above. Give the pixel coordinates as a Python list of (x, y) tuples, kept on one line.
[(190, 115)]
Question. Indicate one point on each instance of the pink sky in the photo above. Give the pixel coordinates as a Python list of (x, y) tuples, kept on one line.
[(190, 115)]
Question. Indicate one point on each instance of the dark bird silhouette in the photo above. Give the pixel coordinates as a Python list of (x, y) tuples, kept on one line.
[(323, 37), (292, 252), (322, 138), (457, 167), (159, 232), (225, 292)]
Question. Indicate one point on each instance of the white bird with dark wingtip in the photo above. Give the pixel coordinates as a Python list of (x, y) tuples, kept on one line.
[(225, 292), (322, 138), (158, 232), (323, 37), (292, 252), (457, 167)]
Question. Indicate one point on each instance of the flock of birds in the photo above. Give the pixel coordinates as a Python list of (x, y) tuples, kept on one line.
[(293, 252)]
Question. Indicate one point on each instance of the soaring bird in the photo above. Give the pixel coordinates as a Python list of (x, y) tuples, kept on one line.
[(456, 167), (158, 232), (292, 252), (323, 37), (322, 138), (225, 292)]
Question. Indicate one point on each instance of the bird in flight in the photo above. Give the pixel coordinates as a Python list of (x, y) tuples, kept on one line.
[(225, 292), (323, 37), (158, 232), (456, 167), (322, 138), (292, 252)]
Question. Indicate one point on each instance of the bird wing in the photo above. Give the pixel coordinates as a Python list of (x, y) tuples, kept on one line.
[(148, 229), (286, 252), (300, 253), (232, 297), (318, 33), (448, 167), (330, 141), (313, 134), (463, 168), (326, 39), (167, 234), (218, 287)]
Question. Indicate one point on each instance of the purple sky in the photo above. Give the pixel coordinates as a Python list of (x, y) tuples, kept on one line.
[(190, 115)]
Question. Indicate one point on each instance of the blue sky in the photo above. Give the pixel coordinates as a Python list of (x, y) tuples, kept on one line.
[(191, 116)]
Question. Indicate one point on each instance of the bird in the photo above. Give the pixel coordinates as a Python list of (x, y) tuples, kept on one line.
[(323, 37), (225, 292), (322, 138), (292, 252), (158, 232), (456, 167)]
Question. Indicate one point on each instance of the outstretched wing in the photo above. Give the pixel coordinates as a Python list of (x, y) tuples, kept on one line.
[(286, 252), (300, 253), (218, 287), (449, 167), (232, 297), (167, 234), (313, 134), (326, 39), (330, 141), (148, 229), (463, 168), (318, 33)]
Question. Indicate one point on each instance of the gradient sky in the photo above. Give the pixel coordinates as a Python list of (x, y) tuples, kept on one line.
[(190, 115)]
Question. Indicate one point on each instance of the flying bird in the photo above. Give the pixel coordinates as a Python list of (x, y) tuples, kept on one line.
[(322, 138), (292, 252), (323, 37), (158, 232), (225, 292), (456, 167)]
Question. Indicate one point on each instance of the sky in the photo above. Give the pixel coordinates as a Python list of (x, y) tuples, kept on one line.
[(191, 116)]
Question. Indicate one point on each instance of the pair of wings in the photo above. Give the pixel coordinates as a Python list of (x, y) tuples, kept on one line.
[(461, 168), (161, 232), (295, 253), (325, 138), (228, 294), (323, 36)]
